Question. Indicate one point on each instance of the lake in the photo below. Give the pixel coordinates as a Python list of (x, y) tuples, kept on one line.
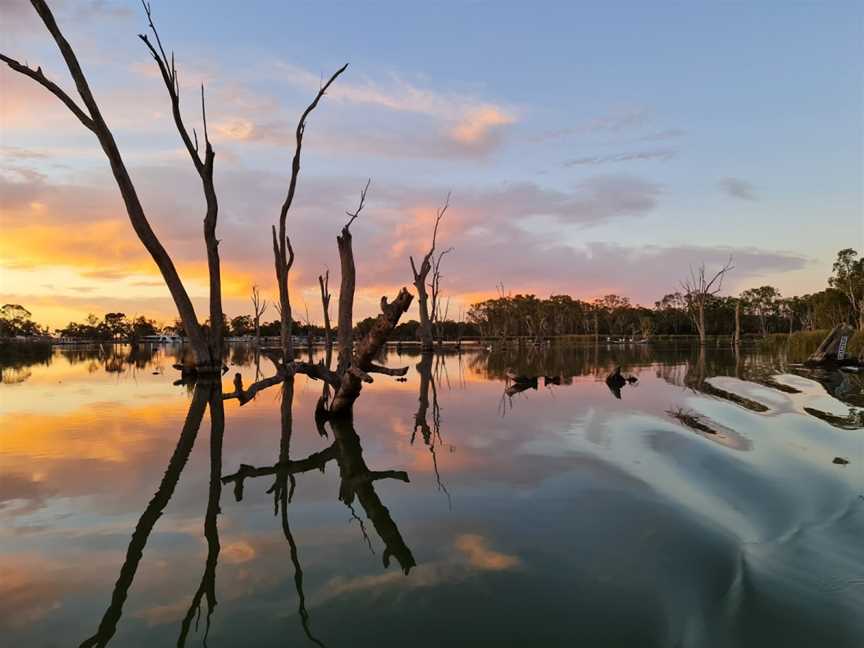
[(699, 505)]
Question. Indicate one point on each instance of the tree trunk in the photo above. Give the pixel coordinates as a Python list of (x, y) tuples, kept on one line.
[(426, 338), (346, 299), (426, 333), (367, 349), (283, 254), (737, 322), (134, 210), (323, 282)]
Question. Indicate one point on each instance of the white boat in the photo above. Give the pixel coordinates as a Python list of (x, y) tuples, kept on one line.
[(161, 338)]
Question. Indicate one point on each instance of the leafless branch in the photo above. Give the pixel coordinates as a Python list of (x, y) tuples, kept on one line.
[(204, 167), (357, 211), (40, 78), (93, 120), (426, 319)]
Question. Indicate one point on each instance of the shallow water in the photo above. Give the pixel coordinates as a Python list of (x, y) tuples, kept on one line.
[(698, 506)]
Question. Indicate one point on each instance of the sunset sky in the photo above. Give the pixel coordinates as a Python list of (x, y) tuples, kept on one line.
[(590, 149)]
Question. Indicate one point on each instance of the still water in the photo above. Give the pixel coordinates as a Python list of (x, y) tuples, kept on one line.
[(700, 505)]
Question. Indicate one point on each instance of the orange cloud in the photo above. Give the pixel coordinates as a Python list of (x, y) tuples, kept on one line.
[(476, 550), (237, 552), (478, 123)]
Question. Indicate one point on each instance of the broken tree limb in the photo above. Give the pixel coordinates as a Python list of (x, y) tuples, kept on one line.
[(359, 373), (367, 349), (387, 371)]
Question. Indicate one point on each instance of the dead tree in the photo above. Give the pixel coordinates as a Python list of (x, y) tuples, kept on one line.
[(324, 284), (324, 401), (420, 276), (282, 250), (356, 362), (347, 284), (207, 352), (258, 307), (699, 289), (436, 316)]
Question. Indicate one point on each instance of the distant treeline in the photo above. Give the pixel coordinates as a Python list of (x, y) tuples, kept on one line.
[(762, 310)]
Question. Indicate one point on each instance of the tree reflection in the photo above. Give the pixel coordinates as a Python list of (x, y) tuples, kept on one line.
[(207, 588), (356, 484), (202, 396), (431, 434)]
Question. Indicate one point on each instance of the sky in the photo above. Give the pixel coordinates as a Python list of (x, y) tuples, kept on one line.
[(589, 148)]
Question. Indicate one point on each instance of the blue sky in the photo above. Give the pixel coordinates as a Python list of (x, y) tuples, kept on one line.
[(590, 147)]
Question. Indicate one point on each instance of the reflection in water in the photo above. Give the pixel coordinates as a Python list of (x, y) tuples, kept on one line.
[(431, 434), (356, 482), (202, 396), (283, 494), (647, 511), (207, 588)]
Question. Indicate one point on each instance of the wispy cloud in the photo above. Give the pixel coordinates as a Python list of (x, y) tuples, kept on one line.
[(666, 154), (614, 121), (667, 134), (451, 124), (509, 231), (738, 188)]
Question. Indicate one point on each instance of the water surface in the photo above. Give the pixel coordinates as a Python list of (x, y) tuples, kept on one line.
[(697, 506)]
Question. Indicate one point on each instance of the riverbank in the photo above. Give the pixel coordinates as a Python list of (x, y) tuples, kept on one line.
[(801, 344)]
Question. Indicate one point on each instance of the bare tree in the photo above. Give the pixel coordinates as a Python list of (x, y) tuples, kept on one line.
[(420, 276), (282, 250), (347, 284), (698, 289), (324, 284), (258, 307), (356, 362), (436, 315), (207, 353)]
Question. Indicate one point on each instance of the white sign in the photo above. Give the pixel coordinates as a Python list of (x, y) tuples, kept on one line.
[(841, 350)]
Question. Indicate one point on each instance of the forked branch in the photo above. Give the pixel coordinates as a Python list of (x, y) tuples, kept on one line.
[(281, 243)]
